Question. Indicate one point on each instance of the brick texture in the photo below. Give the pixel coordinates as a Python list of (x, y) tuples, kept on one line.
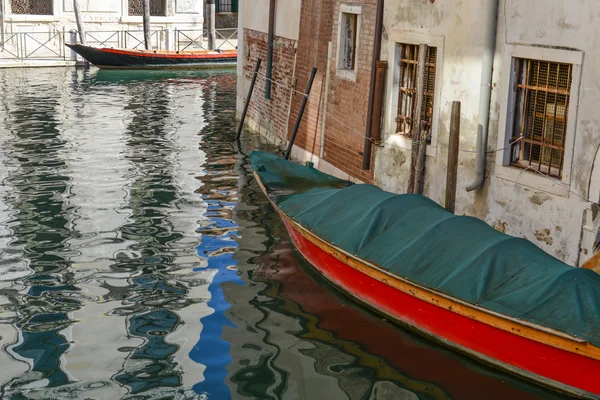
[(292, 65), (271, 114), (347, 100)]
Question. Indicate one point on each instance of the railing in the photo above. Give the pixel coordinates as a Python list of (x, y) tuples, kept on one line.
[(34, 45), (125, 39), (197, 39), (51, 45)]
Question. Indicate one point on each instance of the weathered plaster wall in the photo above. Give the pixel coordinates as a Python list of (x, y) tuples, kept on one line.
[(255, 16), (547, 212)]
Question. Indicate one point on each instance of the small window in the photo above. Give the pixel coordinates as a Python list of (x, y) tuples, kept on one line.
[(32, 7), (407, 88), (158, 8), (348, 32), (541, 106), (227, 6)]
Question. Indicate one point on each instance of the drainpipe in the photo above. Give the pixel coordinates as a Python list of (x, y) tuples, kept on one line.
[(490, 22), (269, 71), (371, 107)]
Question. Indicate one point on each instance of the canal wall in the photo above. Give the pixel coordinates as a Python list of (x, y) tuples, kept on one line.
[(541, 178)]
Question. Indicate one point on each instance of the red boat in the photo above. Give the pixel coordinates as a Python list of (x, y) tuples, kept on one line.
[(103, 57), (493, 297)]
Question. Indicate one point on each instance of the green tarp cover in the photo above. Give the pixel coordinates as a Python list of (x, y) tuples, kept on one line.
[(414, 238)]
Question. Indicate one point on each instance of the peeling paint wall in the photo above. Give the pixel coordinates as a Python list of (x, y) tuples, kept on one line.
[(523, 203)]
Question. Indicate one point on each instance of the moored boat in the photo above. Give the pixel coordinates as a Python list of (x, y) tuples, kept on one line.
[(454, 279), (103, 57)]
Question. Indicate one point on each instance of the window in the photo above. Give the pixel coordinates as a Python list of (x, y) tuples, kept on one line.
[(227, 6), (32, 7), (542, 94), (157, 7), (348, 41), (407, 88)]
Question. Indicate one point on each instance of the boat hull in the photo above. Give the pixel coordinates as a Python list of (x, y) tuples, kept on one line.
[(547, 365), (106, 58)]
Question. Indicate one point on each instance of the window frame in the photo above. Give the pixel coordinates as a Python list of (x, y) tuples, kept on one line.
[(126, 9), (11, 12), (504, 169), (349, 74), (393, 85)]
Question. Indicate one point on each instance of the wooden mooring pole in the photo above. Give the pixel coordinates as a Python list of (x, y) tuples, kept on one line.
[(211, 32), (146, 12), (78, 20), (2, 24), (243, 118), (300, 113), (453, 143), (416, 123)]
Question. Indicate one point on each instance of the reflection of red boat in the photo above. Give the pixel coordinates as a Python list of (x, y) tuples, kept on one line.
[(103, 57), (379, 345), (554, 341)]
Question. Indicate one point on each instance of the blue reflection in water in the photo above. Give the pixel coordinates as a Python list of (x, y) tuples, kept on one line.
[(217, 246)]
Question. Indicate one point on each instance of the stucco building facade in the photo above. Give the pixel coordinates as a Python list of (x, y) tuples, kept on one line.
[(541, 179)]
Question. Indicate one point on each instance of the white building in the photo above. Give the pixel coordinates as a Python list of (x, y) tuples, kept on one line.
[(34, 30)]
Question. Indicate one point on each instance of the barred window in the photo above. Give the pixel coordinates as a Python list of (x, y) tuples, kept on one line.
[(407, 90), (32, 7), (542, 96), (158, 8)]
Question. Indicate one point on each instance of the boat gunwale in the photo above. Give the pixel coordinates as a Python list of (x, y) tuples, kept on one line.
[(529, 330), (201, 54)]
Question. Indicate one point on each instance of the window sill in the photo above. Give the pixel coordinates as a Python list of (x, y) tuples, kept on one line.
[(346, 74), (31, 18), (226, 13), (533, 180), (162, 20)]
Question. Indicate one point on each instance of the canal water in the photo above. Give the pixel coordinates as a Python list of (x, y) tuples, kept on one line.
[(139, 260)]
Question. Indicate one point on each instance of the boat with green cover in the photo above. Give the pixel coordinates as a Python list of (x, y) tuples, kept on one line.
[(495, 297)]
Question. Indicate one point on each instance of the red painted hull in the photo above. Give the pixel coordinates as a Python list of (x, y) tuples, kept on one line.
[(553, 367)]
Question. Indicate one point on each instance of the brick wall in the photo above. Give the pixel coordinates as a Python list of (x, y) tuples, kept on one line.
[(347, 100), (271, 115)]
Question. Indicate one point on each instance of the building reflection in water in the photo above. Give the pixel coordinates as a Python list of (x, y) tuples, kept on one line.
[(139, 259)]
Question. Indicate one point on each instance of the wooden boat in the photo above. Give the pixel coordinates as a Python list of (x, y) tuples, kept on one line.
[(454, 279), (103, 57)]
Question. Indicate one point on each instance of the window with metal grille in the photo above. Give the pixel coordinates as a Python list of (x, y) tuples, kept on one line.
[(347, 53), (542, 95), (32, 7), (407, 90), (157, 7), (227, 6)]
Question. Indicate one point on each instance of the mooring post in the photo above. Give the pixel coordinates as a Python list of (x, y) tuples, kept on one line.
[(243, 118), (416, 122), (453, 143), (210, 24), (78, 21), (146, 20), (300, 113)]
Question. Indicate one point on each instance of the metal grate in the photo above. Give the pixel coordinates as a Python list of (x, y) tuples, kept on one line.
[(158, 8), (407, 92), (542, 94), (32, 7)]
